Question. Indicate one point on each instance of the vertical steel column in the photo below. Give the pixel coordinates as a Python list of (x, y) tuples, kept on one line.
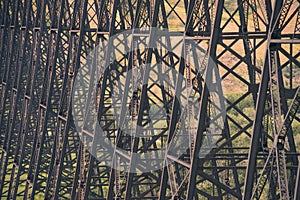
[(204, 99)]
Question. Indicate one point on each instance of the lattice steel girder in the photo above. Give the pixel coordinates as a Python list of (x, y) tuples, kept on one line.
[(277, 26), (53, 51)]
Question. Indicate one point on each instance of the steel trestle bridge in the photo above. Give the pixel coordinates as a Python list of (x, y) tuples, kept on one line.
[(93, 91)]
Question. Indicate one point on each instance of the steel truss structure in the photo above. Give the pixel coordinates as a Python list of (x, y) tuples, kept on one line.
[(46, 43)]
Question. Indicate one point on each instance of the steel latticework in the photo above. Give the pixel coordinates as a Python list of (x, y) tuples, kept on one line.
[(68, 89)]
